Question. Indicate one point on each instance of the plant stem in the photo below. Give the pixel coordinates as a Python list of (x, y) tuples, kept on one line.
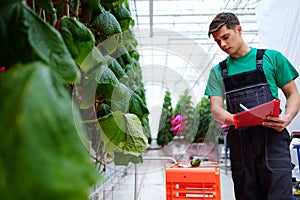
[(90, 121), (67, 8), (75, 9)]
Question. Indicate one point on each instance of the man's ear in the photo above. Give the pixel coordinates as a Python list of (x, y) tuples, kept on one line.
[(239, 29)]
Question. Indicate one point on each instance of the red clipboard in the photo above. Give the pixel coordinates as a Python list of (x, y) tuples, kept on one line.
[(255, 116)]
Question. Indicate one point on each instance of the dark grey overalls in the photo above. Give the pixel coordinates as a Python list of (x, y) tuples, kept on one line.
[(260, 156)]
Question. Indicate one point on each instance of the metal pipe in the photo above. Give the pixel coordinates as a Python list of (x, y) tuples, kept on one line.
[(160, 158), (135, 182), (151, 17)]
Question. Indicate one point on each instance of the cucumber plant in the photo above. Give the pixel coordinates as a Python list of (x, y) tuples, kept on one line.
[(51, 120)]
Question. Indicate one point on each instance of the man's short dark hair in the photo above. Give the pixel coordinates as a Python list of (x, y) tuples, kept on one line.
[(225, 18)]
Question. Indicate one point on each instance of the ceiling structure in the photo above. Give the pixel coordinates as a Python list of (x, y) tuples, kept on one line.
[(176, 53)]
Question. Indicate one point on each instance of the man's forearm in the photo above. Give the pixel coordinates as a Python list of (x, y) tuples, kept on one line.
[(222, 116), (292, 106)]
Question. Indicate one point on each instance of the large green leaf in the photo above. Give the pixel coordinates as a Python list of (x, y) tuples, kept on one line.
[(138, 107), (146, 128), (106, 76), (92, 60), (107, 81), (97, 79), (123, 133), (116, 68), (120, 98), (42, 152), (78, 38), (123, 15), (125, 159), (32, 39), (91, 65), (127, 101), (104, 26)]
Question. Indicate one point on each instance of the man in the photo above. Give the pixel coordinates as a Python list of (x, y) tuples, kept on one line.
[(260, 156)]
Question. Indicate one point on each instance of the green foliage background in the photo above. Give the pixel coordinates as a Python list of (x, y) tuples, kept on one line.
[(165, 132), (198, 123), (185, 107), (204, 113)]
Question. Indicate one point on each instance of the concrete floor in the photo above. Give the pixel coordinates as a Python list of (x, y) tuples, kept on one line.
[(147, 181)]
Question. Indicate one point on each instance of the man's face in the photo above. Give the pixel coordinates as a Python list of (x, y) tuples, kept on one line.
[(229, 40)]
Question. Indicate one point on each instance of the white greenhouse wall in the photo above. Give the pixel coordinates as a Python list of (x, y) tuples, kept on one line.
[(279, 28)]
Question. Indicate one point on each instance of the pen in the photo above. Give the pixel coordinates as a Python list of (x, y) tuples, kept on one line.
[(244, 107)]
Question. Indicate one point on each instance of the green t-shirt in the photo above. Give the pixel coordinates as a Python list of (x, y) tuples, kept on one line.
[(278, 70)]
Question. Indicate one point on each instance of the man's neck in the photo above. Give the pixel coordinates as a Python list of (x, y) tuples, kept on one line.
[(243, 50)]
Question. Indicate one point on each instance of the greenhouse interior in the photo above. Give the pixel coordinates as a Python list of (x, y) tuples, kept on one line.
[(106, 99)]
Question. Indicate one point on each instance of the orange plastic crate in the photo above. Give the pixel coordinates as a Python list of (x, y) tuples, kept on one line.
[(202, 183)]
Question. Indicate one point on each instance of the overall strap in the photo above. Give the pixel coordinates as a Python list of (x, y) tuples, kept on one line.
[(259, 58), (224, 68), (259, 61)]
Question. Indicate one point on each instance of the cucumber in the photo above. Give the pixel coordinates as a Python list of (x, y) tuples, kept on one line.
[(195, 161)]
